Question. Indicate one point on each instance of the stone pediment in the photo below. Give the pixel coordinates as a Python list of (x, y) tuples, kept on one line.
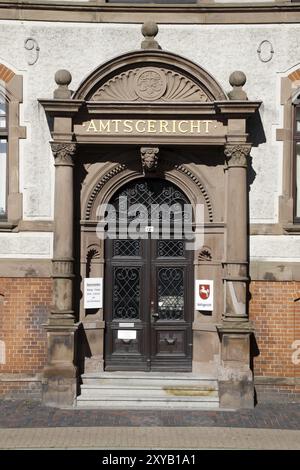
[(150, 84)]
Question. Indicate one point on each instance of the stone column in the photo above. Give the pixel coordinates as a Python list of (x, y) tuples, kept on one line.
[(60, 373), (235, 377), (236, 264)]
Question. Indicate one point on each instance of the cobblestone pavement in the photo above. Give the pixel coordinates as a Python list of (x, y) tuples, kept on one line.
[(29, 414), (148, 438)]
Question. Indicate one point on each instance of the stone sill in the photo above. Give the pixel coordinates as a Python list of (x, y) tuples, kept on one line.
[(267, 380), (6, 226), (19, 377), (292, 228)]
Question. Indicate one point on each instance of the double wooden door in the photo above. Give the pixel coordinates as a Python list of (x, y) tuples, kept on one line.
[(148, 305), (148, 283)]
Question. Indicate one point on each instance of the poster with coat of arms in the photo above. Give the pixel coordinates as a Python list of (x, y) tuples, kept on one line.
[(204, 294)]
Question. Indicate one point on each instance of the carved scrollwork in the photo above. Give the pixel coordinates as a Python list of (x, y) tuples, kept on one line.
[(149, 156), (149, 84), (64, 152), (93, 252), (31, 44), (236, 155), (205, 254)]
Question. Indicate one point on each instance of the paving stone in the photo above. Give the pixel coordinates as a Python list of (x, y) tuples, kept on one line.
[(27, 414)]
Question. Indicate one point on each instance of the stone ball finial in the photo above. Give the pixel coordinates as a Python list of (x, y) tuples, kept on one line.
[(237, 80), (63, 79), (149, 31)]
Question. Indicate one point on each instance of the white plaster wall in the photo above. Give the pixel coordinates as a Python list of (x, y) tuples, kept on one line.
[(275, 248), (80, 48), (26, 245)]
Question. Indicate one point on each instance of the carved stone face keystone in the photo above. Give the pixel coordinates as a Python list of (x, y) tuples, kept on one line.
[(149, 158)]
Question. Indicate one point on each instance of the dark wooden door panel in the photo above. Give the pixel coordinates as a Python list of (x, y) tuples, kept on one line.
[(148, 290)]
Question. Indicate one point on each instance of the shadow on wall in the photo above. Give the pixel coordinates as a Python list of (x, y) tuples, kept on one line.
[(255, 130), (254, 352), (83, 349), (257, 136)]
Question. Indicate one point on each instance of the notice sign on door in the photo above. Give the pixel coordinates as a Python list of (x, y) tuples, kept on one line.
[(204, 294), (93, 292)]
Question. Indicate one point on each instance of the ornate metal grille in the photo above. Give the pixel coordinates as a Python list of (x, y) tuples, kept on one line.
[(145, 194), (126, 247), (126, 292), (170, 248), (170, 293)]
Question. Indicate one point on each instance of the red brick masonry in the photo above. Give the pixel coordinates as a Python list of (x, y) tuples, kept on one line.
[(25, 303), (276, 317), (24, 307)]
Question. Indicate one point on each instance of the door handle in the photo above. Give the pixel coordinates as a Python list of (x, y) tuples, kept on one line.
[(155, 315), (170, 340)]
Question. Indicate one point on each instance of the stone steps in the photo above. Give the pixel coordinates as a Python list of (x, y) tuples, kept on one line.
[(147, 390)]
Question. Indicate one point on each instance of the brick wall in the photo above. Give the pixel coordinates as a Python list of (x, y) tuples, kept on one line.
[(276, 318), (24, 307)]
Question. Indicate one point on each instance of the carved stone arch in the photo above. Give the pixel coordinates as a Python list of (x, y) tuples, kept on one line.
[(104, 179), (177, 79), (189, 173), (120, 174)]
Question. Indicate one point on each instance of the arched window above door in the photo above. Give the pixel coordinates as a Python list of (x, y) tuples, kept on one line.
[(151, 205)]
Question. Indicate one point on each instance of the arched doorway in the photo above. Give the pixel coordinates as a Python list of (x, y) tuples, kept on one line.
[(149, 279), (112, 110)]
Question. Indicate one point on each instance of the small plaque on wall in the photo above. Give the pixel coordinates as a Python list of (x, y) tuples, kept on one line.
[(93, 292), (204, 294)]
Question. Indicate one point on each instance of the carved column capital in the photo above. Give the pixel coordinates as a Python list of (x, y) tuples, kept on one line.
[(236, 155), (149, 156), (64, 152)]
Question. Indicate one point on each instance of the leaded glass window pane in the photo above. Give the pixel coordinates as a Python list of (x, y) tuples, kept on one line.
[(3, 112), (126, 292), (298, 179), (3, 177), (184, 2), (126, 247), (298, 119), (170, 293), (170, 248), (152, 200)]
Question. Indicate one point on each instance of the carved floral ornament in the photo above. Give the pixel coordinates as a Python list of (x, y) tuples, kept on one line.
[(64, 153), (236, 155), (149, 84)]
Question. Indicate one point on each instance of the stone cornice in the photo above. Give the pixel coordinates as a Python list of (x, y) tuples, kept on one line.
[(96, 12), (226, 108)]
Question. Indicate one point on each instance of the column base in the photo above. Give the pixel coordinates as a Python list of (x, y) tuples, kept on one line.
[(60, 385), (235, 378), (236, 394), (60, 375)]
